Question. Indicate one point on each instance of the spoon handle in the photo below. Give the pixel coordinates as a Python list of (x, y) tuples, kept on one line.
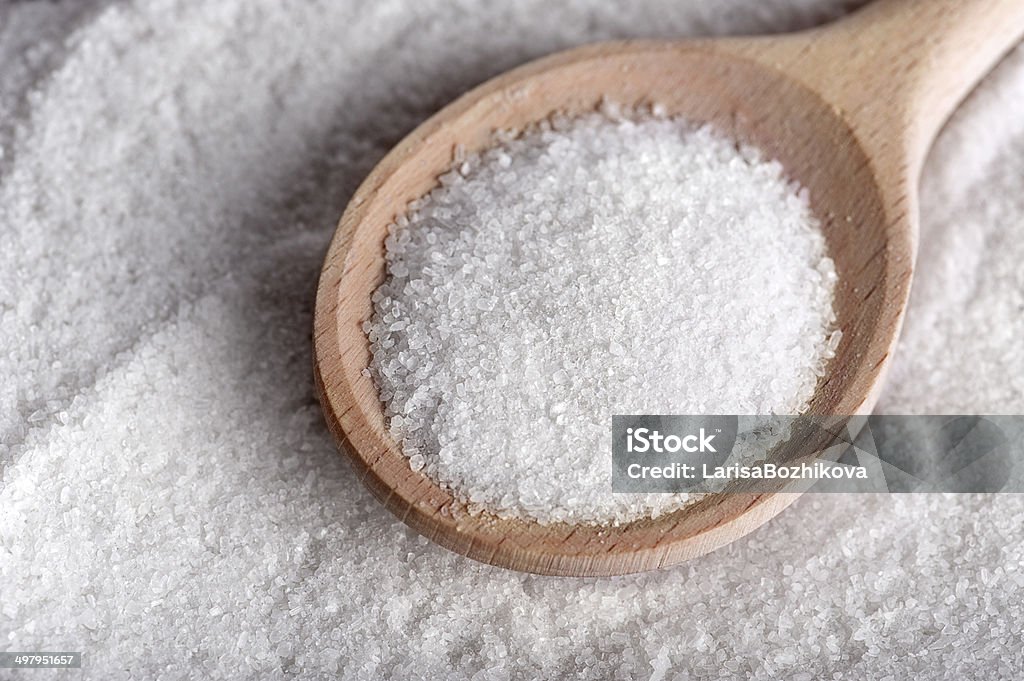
[(898, 68)]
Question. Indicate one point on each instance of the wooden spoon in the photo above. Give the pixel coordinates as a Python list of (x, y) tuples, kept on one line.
[(849, 109)]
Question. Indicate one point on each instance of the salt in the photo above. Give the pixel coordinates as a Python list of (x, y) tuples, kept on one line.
[(614, 263), (173, 283)]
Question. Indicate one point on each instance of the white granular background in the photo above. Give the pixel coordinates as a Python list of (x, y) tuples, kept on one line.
[(171, 503), (617, 263)]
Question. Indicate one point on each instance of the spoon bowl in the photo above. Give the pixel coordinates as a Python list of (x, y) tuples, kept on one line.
[(816, 101)]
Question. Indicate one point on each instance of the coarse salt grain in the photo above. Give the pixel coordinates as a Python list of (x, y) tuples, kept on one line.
[(605, 264)]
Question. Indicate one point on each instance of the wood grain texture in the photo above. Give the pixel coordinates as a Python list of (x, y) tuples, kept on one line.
[(849, 109)]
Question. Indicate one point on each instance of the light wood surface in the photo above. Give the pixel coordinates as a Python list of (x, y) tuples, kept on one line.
[(850, 109)]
